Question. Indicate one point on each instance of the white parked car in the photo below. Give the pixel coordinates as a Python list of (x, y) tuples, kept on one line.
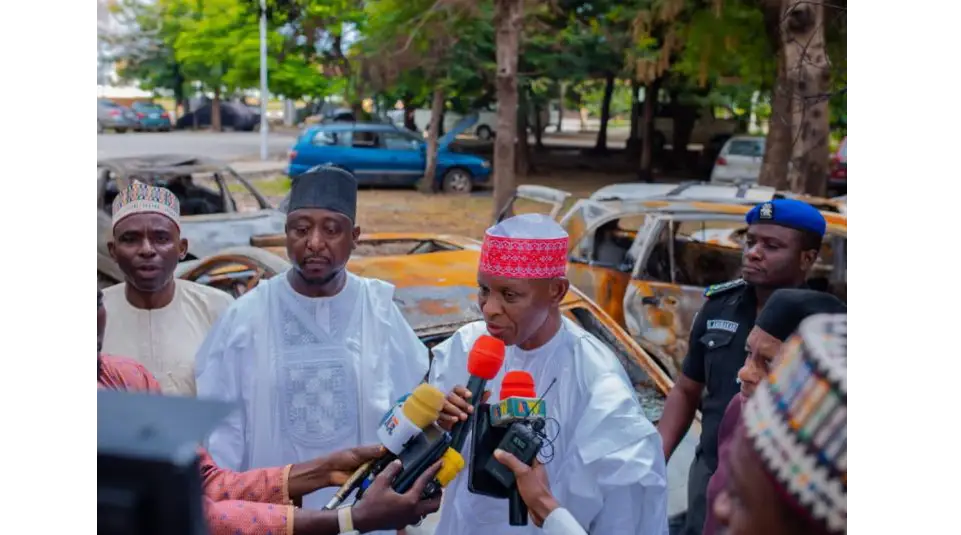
[(739, 161)]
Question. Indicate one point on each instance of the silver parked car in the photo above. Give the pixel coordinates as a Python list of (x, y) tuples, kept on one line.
[(114, 116)]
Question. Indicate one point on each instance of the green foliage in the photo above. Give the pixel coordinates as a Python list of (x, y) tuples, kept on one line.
[(144, 52)]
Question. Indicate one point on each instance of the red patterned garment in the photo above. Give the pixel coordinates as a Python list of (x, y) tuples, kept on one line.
[(255, 502)]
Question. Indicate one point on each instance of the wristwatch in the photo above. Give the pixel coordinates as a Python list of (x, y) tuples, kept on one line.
[(345, 520)]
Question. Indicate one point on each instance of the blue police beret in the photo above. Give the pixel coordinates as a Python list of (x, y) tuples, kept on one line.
[(789, 213)]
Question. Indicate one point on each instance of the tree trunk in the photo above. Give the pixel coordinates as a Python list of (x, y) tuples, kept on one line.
[(357, 108), (442, 116), (215, 123), (539, 126), (777, 149), (684, 119), (560, 107), (634, 139), (646, 171), (808, 77), (601, 145), (428, 182), (409, 111), (507, 22), (523, 155)]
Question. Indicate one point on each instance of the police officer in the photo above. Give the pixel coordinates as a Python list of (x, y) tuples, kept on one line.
[(782, 242)]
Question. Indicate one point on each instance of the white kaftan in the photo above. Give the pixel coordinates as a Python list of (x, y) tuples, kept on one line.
[(608, 466), (313, 375), (165, 340)]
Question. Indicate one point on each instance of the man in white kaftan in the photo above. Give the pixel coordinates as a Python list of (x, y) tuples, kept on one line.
[(314, 355), (608, 466), (156, 319)]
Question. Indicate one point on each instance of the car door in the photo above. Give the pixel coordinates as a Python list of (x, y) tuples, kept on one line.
[(328, 145), (673, 266), (599, 261), (404, 158)]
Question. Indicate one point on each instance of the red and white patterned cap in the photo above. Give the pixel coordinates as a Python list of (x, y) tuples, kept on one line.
[(529, 246)]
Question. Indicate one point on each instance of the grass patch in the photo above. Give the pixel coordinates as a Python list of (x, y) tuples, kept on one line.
[(406, 210)]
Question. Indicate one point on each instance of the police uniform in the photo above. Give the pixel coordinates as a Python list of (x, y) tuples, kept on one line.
[(717, 351)]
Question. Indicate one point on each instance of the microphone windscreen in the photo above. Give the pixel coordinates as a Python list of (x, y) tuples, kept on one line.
[(517, 384), (486, 357), (423, 406)]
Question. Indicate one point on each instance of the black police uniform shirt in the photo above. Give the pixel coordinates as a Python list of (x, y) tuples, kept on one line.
[(716, 352)]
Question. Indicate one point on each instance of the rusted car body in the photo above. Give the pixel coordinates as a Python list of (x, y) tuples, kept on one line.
[(436, 281), (219, 207), (646, 257)]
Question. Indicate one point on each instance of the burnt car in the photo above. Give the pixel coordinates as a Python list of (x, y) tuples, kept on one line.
[(219, 207), (435, 277), (646, 252)]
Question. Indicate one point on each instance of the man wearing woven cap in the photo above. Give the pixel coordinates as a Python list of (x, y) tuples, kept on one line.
[(607, 467), (782, 242), (788, 459), (778, 320), (315, 355), (158, 320)]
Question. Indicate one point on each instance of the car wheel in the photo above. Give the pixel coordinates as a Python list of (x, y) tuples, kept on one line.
[(120, 130), (485, 133), (457, 180), (99, 127)]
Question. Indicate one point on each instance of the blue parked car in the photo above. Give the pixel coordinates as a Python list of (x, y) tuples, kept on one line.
[(151, 116), (383, 154)]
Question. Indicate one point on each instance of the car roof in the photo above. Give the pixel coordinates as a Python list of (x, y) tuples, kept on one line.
[(746, 194), (751, 193), (164, 164), (357, 126)]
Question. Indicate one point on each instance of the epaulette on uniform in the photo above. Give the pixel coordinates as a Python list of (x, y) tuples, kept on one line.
[(718, 289)]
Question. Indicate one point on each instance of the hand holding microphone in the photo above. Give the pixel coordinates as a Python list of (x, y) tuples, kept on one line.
[(383, 508), (399, 427), (483, 363)]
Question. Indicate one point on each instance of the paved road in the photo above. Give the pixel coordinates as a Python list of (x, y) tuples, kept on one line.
[(224, 146), (246, 145)]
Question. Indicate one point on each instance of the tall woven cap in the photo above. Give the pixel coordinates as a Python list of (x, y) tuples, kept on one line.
[(797, 421), (140, 198), (529, 246)]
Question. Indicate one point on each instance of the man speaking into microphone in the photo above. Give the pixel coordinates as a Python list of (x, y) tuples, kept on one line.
[(608, 464)]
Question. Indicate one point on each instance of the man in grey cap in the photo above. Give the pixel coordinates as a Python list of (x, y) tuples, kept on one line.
[(315, 355)]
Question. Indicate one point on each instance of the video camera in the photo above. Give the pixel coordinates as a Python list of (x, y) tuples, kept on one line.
[(148, 477), (516, 425)]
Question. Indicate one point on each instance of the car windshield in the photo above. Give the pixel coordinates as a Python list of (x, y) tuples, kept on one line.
[(843, 150), (146, 106)]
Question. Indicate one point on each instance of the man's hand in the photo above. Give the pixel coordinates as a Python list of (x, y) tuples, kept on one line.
[(329, 471), (457, 407), (339, 466), (383, 509), (533, 485)]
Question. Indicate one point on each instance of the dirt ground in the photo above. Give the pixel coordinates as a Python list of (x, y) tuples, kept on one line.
[(405, 210)]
